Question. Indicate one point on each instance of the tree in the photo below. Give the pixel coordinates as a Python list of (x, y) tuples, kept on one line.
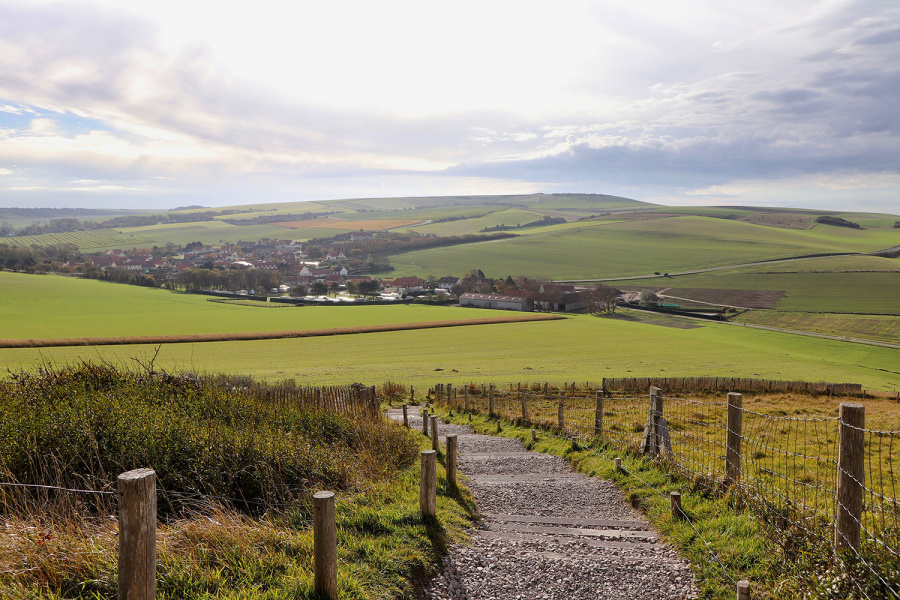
[(602, 298), (299, 290), (352, 288), (319, 288), (648, 298)]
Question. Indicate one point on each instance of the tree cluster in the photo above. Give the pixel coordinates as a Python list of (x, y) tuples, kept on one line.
[(260, 280), (36, 259)]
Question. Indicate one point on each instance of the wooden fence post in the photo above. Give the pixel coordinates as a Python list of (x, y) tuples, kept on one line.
[(412, 395), (675, 505), (491, 401), (656, 432), (561, 414), (743, 590), (598, 416), (405, 416), (434, 433), (324, 545), (428, 485), (525, 407), (850, 476), (137, 534), (451, 460), (733, 439), (424, 422)]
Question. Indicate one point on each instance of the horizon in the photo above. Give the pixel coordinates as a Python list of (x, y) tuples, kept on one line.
[(151, 106)]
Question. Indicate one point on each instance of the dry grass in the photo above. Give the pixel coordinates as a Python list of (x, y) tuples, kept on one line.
[(264, 335)]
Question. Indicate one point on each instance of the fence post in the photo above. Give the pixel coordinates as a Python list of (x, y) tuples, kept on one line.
[(434, 433), (451, 460), (491, 401), (137, 534), (324, 545), (598, 416), (424, 421), (743, 590), (561, 414), (525, 407), (675, 505), (405, 416), (650, 442), (466, 401), (850, 476), (733, 438), (449, 398), (412, 395), (428, 485)]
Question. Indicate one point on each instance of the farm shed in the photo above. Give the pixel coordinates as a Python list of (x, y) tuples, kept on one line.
[(497, 302)]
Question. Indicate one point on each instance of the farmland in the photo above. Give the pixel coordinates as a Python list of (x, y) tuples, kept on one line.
[(868, 327), (578, 348)]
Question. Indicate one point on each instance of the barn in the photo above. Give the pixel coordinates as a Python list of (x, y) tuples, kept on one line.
[(497, 302)]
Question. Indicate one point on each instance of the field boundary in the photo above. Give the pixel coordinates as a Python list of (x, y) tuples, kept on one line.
[(264, 335)]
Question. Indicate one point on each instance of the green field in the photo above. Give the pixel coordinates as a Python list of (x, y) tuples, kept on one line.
[(579, 348), (47, 307), (865, 327), (583, 250)]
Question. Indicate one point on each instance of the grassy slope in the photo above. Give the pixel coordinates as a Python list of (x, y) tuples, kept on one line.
[(46, 306), (867, 327), (580, 348), (591, 250)]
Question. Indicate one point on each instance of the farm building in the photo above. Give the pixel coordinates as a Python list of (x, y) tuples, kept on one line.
[(497, 302)]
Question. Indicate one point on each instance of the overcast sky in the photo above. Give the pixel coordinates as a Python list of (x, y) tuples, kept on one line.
[(161, 103)]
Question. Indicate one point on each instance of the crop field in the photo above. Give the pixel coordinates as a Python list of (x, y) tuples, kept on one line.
[(846, 292), (878, 328), (591, 250), (510, 217), (48, 307), (96, 239), (344, 225), (578, 348)]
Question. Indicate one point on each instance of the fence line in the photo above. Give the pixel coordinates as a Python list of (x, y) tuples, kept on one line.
[(797, 473)]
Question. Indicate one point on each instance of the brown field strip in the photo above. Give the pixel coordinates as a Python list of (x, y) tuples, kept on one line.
[(264, 335)]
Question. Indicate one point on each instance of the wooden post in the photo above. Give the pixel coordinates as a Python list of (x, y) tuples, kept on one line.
[(650, 442), (598, 416), (424, 422), (428, 485), (449, 398), (324, 545), (675, 505), (466, 401), (733, 439), (524, 407), (405, 416), (434, 433), (451, 460), (491, 401), (618, 463), (533, 434), (137, 534), (561, 414), (743, 590), (850, 476), (412, 395)]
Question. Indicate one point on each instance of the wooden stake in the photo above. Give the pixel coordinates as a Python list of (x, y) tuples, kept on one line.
[(434, 433), (598, 416), (733, 439), (850, 476), (428, 485), (675, 505), (451, 460), (743, 590), (405, 417), (325, 545), (137, 534)]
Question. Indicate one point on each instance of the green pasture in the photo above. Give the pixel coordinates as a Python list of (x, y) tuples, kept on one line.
[(879, 328), (841, 292), (48, 306), (510, 217), (98, 239), (579, 348), (598, 250)]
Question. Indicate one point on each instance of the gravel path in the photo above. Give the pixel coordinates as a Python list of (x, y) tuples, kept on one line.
[(548, 532)]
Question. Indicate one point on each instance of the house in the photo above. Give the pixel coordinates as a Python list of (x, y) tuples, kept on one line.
[(335, 256), (447, 283), (361, 235), (404, 285), (497, 302)]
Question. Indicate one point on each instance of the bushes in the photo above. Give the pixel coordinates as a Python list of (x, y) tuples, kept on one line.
[(80, 426)]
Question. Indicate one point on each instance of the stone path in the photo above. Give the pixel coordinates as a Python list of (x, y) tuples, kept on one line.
[(548, 532)]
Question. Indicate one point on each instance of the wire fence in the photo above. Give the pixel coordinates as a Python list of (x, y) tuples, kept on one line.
[(802, 475)]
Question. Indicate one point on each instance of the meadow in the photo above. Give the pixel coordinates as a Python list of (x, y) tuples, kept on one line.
[(577, 348), (599, 250), (48, 307), (878, 328)]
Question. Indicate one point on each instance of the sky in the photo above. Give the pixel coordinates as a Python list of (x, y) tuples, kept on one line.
[(165, 103)]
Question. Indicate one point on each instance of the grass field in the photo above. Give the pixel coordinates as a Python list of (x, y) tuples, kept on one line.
[(597, 250), (579, 348), (46, 306), (865, 327)]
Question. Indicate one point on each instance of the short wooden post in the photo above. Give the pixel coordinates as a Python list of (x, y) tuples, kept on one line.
[(675, 505), (561, 413), (524, 407), (850, 476), (743, 590), (656, 432), (324, 545), (428, 485), (137, 534), (434, 433), (451, 460), (598, 416), (491, 401), (412, 395), (733, 439), (618, 463), (533, 434), (424, 422), (405, 416)]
